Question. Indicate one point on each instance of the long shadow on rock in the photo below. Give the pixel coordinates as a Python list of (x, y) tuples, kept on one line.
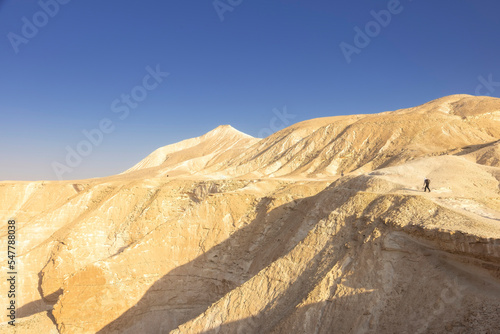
[(190, 289), (277, 310)]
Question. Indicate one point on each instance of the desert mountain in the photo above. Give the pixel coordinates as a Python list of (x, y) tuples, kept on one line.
[(193, 155), (328, 146), (250, 235)]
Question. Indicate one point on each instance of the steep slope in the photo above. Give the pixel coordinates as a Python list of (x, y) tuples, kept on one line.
[(488, 154)]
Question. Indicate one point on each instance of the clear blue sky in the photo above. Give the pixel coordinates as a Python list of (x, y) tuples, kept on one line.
[(63, 78)]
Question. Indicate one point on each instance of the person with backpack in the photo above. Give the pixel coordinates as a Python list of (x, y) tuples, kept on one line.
[(426, 185)]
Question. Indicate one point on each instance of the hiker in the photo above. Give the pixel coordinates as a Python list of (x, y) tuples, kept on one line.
[(426, 184)]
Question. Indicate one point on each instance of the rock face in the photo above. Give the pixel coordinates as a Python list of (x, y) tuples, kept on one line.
[(250, 235)]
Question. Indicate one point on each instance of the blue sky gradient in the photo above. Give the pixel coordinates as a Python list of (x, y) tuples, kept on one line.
[(264, 55)]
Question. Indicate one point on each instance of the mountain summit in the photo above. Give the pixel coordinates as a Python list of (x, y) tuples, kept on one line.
[(193, 155)]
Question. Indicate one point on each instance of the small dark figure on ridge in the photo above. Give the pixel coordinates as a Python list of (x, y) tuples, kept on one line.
[(426, 184)]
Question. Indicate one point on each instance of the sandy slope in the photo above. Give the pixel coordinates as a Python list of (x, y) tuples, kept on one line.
[(263, 235)]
